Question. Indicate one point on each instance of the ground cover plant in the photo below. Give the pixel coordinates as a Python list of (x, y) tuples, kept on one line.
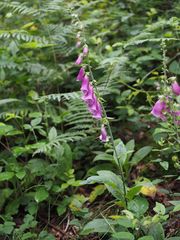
[(90, 120)]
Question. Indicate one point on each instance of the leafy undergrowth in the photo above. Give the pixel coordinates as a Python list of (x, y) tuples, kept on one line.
[(89, 120)]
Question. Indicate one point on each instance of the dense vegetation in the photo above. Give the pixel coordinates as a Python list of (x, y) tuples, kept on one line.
[(58, 178)]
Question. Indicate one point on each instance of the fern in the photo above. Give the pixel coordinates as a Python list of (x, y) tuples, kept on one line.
[(61, 96), (22, 35), (22, 9)]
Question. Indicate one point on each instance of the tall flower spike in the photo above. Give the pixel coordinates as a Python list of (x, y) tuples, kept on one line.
[(103, 137), (85, 85), (81, 74), (176, 88), (158, 109), (79, 59)]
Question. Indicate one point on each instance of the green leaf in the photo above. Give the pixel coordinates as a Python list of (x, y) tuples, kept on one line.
[(5, 176), (36, 121), (159, 208), (140, 154), (156, 231), (121, 152), (174, 67), (125, 222), (138, 206), (103, 157), (6, 228), (165, 165), (130, 148), (176, 208), (62, 206), (41, 195), (97, 191), (112, 182), (21, 174), (146, 238), (97, 226), (123, 235), (133, 191), (52, 134)]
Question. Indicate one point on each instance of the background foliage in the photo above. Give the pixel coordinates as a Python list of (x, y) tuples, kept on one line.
[(49, 142)]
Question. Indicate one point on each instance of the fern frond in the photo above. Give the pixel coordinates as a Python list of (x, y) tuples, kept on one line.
[(60, 96), (19, 8), (22, 35)]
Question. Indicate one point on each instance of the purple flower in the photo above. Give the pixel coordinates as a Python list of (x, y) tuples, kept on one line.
[(96, 110), (158, 109), (89, 98), (81, 74), (85, 85), (176, 88), (79, 59), (85, 50), (103, 137)]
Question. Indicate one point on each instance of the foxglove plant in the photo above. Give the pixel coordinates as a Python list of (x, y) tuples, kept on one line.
[(91, 97)]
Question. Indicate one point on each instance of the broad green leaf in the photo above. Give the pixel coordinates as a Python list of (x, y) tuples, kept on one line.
[(156, 231), (125, 222), (112, 181), (97, 226), (123, 235), (41, 194), (103, 157), (140, 154), (5, 176), (138, 206), (121, 153)]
